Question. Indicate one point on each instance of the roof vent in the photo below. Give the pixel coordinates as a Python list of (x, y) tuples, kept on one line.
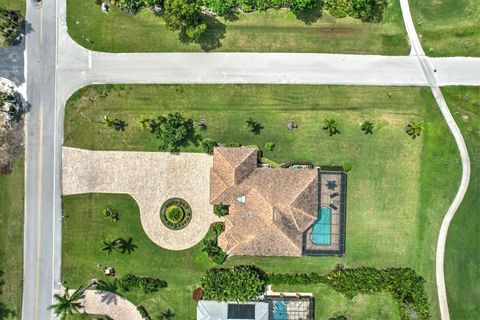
[(241, 199)]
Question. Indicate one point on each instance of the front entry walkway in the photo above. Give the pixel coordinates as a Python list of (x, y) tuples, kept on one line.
[(150, 178)]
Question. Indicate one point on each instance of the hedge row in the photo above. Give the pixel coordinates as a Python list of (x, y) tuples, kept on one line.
[(404, 284), (223, 7), (147, 284)]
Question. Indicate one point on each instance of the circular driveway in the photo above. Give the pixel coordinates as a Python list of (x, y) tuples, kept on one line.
[(150, 178)]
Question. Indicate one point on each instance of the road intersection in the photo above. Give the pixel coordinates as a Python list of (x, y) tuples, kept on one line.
[(56, 67)]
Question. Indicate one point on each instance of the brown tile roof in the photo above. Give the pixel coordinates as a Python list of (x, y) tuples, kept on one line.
[(279, 204)]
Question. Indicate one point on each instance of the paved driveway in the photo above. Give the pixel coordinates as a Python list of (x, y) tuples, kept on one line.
[(11, 62), (150, 178)]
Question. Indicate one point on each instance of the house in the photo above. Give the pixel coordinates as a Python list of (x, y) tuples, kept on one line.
[(269, 209), (212, 310)]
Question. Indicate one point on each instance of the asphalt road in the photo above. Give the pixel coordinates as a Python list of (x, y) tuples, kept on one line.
[(41, 194), (52, 75)]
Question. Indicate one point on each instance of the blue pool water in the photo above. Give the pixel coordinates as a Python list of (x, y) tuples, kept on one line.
[(321, 228), (280, 310)]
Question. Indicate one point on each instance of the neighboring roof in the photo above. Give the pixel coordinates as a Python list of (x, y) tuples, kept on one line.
[(212, 310), (270, 209)]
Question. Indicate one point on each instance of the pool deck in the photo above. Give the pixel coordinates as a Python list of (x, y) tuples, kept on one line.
[(332, 195)]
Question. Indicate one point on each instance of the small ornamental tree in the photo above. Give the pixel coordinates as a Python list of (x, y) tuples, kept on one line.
[(174, 131), (367, 127), (240, 283), (185, 16), (414, 128), (220, 210), (330, 125)]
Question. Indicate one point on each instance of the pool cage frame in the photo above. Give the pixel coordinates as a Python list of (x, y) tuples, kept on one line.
[(334, 196), (291, 314)]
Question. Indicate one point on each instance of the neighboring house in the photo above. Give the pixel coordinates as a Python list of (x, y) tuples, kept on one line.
[(212, 310), (270, 209)]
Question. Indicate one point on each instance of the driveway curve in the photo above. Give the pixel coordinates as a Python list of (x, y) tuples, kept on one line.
[(150, 178)]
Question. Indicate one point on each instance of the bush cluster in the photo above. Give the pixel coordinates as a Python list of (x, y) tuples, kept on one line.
[(146, 284), (365, 10), (210, 244), (240, 283)]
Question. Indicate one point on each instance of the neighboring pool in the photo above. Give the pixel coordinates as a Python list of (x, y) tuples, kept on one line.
[(280, 310), (322, 228)]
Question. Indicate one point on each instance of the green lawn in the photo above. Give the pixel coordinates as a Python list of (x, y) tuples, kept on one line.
[(265, 31), (11, 237), (463, 243), (449, 27), (397, 194), (14, 4)]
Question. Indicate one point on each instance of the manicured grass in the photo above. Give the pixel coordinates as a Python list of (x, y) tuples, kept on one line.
[(462, 257), (265, 31), (11, 237), (449, 27), (14, 4), (397, 191)]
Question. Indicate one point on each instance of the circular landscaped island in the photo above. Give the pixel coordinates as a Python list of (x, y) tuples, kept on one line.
[(175, 213)]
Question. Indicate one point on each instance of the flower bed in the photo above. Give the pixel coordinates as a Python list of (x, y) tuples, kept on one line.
[(175, 213)]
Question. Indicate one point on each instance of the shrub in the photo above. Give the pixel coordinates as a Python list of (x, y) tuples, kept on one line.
[(217, 228), (143, 313), (365, 10), (208, 145), (197, 294), (347, 166), (240, 283), (269, 146), (174, 214), (174, 131), (220, 257), (110, 214), (147, 284), (220, 210)]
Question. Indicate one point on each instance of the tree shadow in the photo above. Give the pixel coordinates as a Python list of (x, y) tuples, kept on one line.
[(309, 16), (211, 38)]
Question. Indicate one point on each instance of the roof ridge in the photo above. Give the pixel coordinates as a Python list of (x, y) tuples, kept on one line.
[(300, 193), (286, 236)]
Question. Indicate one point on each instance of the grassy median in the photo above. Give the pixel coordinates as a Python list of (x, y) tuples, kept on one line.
[(397, 194), (264, 31)]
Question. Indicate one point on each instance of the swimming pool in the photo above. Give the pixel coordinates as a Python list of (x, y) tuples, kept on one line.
[(280, 310), (321, 231)]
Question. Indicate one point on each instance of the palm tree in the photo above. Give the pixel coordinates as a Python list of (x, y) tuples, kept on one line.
[(109, 246), (144, 122), (166, 315), (367, 127), (330, 125), (254, 126), (414, 128), (126, 245), (110, 286), (67, 304)]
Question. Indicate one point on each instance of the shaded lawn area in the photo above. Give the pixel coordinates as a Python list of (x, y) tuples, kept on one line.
[(462, 257), (11, 236), (264, 31), (14, 4), (397, 194), (449, 27)]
